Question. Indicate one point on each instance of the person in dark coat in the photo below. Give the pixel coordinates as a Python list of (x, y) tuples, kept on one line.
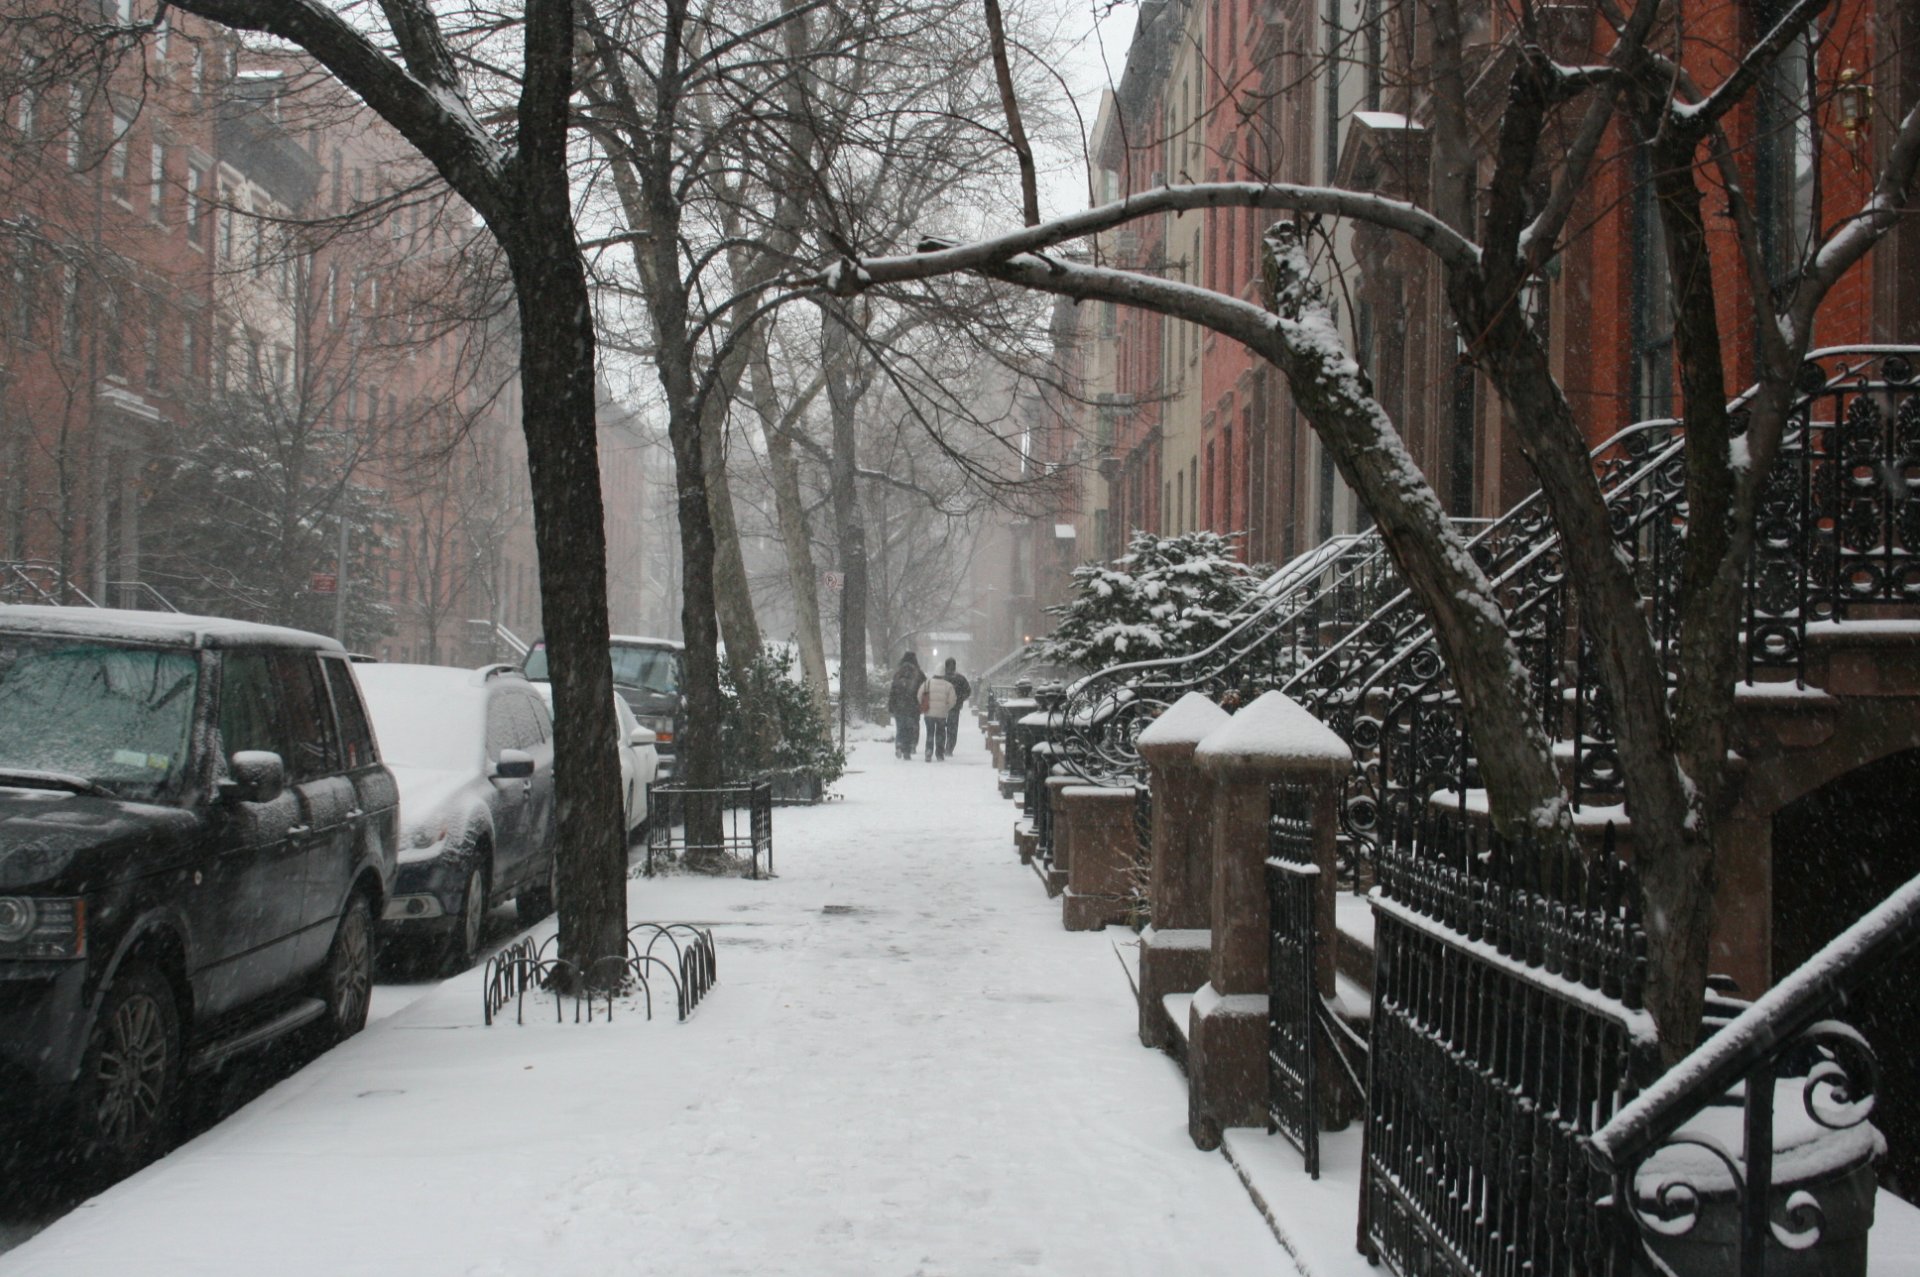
[(903, 702), (961, 690)]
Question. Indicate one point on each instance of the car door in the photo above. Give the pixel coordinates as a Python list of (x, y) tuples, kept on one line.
[(373, 819), (535, 726), (327, 804), (245, 892), (512, 798)]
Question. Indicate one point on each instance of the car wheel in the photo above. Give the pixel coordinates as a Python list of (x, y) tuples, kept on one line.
[(463, 942), (349, 974), (130, 1077), (534, 903)]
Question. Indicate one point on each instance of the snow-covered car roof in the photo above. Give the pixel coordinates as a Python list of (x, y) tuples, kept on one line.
[(170, 629), (641, 640)]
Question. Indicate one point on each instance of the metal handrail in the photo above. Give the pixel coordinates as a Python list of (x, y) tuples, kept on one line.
[(1763, 1032)]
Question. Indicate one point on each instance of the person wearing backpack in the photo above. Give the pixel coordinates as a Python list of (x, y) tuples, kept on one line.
[(961, 690), (937, 700), (903, 702)]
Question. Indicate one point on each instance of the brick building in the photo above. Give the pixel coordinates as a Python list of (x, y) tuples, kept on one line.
[(1192, 431), (192, 234)]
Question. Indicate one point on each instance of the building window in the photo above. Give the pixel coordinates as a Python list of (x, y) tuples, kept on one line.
[(117, 159), (113, 343), (69, 311), (157, 184), (162, 35), (193, 204), (29, 95), (189, 349), (23, 303), (76, 129), (1652, 324), (224, 218), (199, 78), (150, 345)]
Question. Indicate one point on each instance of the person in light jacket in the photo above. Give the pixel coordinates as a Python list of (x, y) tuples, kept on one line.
[(903, 702), (937, 700)]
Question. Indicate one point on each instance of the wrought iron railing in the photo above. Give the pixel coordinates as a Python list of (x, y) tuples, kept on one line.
[(1507, 1028), (1273, 633), (1293, 1093), (1836, 531), (1661, 1197)]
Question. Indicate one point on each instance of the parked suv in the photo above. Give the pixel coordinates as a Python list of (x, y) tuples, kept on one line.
[(196, 835), (472, 752), (646, 673)]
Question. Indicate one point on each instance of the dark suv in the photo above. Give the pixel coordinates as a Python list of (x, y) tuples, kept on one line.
[(647, 674), (196, 834)]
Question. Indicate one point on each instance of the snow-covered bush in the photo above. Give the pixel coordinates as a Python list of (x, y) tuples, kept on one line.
[(794, 738), (1166, 596)]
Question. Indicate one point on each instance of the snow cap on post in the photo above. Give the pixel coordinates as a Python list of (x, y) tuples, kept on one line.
[(1274, 736), (1172, 737)]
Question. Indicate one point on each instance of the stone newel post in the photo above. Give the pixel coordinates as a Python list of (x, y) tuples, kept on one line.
[(1177, 945), (1271, 741)]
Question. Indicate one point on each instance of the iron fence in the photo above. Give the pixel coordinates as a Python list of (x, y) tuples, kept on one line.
[(743, 811), (1293, 1098), (1507, 1028)]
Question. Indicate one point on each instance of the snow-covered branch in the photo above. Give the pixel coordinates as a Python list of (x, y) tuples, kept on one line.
[(1451, 247)]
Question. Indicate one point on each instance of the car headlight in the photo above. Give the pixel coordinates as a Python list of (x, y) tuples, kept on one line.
[(42, 927), (16, 918)]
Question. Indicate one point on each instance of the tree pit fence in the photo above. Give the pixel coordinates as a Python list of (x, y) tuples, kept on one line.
[(744, 811), (527, 966)]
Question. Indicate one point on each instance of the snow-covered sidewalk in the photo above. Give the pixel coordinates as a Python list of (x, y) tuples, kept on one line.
[(906, 1068)]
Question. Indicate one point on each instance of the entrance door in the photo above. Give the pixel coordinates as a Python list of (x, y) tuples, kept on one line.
[(1837, 853)]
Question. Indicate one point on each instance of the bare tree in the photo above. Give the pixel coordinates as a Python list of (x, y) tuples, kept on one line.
[(1487, 242), (500, 140)]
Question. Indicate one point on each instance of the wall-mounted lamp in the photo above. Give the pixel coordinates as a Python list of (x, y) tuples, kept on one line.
[(1853, 104)]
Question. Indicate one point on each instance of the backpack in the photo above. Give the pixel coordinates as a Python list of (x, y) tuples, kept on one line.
[(923, 696)]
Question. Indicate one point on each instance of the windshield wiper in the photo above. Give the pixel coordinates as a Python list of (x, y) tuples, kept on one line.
[(31, 779)]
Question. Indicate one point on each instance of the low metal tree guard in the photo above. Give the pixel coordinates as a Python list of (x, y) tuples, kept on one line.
[(526, 966), (1750, 1053), (748, 838)]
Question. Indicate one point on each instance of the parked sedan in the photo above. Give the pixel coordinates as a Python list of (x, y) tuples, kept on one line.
[(640, 762), (472, 751)]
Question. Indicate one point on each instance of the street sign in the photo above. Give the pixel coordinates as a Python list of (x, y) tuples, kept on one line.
[(324, 583)]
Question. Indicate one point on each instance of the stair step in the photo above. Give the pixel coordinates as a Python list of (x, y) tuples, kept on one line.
[(220, 1050)]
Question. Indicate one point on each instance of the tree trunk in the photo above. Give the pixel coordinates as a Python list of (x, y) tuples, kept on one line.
[(733, 600), (791, 510), (839, 353)]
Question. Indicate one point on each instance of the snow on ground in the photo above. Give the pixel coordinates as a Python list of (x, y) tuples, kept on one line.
[(930, 1078)]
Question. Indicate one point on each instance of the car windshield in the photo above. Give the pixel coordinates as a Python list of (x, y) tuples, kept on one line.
[(119, 717), (651, 669), (423, 721)]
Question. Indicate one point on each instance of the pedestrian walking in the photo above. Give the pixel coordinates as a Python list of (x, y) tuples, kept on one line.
[(961, 690), (936, 702), (903, 702)]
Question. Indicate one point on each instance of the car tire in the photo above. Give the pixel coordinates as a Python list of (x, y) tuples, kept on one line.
[(347, 982), (463, 940), (534, 903), (130, 1076)]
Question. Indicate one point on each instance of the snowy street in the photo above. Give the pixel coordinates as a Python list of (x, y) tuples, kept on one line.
[(907, 1067)]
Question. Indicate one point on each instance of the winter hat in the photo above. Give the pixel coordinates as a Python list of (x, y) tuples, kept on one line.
[(909, 658)]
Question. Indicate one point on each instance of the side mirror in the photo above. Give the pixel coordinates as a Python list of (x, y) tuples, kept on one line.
[(514, 764), (642, 736), (254, 776)]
